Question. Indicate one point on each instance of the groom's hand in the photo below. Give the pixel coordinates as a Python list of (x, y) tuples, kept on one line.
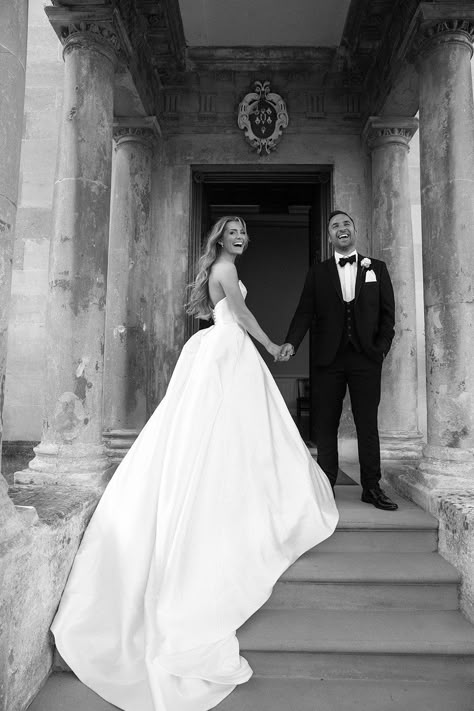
[(286, 351)]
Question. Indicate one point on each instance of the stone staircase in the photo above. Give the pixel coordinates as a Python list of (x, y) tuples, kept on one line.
[(367, 621)]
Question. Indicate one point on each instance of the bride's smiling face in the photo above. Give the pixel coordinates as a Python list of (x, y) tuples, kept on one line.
[(234, 238)]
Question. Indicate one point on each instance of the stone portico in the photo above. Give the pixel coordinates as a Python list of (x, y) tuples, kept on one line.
[(146, 112)]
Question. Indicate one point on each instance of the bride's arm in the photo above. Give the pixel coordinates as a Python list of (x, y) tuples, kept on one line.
[(227, 276)]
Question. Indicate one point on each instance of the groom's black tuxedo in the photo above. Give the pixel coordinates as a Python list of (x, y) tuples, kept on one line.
[(350, 341), (322, 301)]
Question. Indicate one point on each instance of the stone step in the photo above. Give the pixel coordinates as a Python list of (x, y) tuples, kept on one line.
[(362, 527), (64, 692), (314, 695), (342, 644), (359, 581), (357, 540), (376, 667)]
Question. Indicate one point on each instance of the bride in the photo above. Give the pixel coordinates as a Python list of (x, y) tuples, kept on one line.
[(216, 498)]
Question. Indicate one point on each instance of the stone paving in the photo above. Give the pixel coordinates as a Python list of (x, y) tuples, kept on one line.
[(389, 634), (64, 692)]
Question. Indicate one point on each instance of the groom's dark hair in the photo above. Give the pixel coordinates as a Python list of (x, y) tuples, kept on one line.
[(339, 212)]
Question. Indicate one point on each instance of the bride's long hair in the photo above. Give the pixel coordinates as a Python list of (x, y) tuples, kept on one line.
[(199, 303)]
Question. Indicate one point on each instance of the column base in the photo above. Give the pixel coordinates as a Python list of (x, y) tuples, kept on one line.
[(28, 514), (118, 443), (447, 467), (12, 525), (85, 464), (444, 486), (404, 446), (442, 472)]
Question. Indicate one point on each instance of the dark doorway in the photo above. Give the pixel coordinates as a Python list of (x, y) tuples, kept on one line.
[(286, 213)]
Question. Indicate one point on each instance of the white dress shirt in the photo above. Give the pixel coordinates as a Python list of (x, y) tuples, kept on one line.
[(347, 275)]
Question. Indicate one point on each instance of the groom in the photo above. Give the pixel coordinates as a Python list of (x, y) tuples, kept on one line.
[(350, 298)]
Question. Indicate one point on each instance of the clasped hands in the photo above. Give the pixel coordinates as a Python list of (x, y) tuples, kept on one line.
[(282, 353)]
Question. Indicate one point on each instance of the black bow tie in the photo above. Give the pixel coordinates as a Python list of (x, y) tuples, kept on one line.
[(347, 260)]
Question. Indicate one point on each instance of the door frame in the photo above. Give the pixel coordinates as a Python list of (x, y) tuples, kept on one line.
[(205, 174), (277, 174)]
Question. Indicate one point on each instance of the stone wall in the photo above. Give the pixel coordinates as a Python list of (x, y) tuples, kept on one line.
[(34, 565), (23, 404), (415, 197), (171, 206), (453, 507), (25, 361)]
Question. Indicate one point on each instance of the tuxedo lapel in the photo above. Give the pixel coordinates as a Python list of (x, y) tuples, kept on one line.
[(332, 266), (359, 277)]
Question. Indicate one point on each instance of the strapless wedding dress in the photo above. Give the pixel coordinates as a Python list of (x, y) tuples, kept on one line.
[(216, 498)]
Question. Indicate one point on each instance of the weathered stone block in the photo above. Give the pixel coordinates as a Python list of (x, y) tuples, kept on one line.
[(35, 569), (36, 255), (28, 283), (34, 225), (450, 498), (39, 157), (38, 124), (13, 29), (36, 190), (40, 99), (46, 75), (25, 416), (43, 45), (29, 336), (11, 109)]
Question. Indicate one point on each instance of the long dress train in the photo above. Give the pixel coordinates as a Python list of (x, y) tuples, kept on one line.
[(216, 498)]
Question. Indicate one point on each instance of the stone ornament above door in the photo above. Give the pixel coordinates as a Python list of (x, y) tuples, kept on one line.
[(263, 116)]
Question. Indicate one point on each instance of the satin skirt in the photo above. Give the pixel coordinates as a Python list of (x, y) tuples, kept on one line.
[(216, 498)]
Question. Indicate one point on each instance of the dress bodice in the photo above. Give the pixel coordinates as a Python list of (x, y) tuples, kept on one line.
[(222, 312)]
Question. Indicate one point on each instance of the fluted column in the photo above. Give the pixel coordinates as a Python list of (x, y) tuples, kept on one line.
[(13, 35), (447, 206), (128, 307), (71, 444), (388, 141)]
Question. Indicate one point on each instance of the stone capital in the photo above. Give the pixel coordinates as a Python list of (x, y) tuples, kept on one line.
[(98, 29), (145, 130), (91, 36), (438, 24), (436, 34), (384, 130)]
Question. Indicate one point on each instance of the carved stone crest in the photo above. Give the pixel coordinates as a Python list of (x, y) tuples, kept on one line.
[(263, 116)]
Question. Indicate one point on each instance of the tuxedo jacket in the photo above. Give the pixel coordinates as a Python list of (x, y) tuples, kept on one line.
[(322, 304)]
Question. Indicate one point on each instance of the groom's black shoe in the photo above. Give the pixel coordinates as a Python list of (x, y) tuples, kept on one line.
[(378, 498)]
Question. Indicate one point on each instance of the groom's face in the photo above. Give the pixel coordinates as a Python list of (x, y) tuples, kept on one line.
[(341, 231)]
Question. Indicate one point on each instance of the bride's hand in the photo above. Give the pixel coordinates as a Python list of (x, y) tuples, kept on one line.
[(274, 351)]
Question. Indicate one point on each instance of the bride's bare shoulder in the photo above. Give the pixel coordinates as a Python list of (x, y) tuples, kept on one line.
[(223, 270)]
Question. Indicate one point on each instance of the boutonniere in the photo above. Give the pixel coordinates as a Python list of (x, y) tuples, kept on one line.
[(365, 263)]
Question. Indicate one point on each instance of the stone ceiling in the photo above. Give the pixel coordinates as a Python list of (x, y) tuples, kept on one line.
[(347, 46), (263, 23), (221, 33)]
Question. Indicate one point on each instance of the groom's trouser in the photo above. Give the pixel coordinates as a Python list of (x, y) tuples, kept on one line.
[(362, 376)]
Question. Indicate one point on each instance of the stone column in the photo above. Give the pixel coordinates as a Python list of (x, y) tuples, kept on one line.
[(128, 306), (388, 140), (13, 35), (71, 444), (447, 204)]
